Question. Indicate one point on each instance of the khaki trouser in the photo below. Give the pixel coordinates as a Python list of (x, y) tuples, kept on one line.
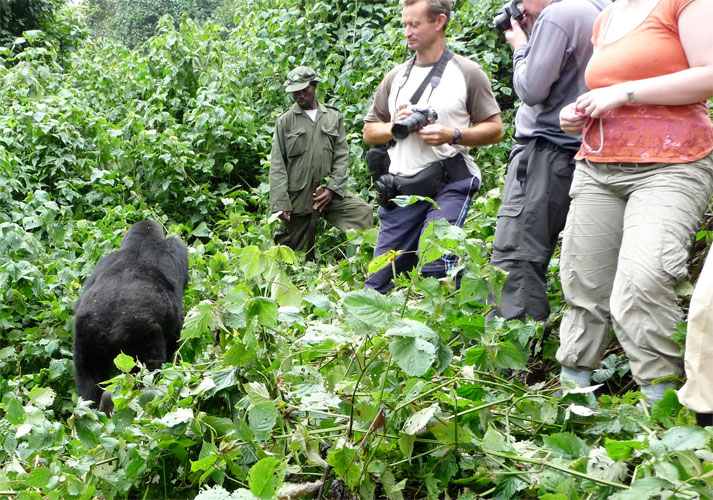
[(697, 393), (345, 213), (625, 245)]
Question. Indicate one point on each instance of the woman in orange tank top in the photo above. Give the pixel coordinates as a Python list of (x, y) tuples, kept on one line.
[(643, 181)]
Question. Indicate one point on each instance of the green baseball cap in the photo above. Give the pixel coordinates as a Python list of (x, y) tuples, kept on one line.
[(299, 78)]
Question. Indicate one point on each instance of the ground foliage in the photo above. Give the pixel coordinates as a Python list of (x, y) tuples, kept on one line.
[(289, 373)]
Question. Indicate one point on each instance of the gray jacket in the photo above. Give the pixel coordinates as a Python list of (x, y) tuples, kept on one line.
[(548, 72)]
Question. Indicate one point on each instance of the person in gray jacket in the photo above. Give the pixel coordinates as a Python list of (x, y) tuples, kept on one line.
[(551, 46)]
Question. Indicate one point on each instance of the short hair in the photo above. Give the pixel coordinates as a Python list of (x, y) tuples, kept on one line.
[(435, 7)]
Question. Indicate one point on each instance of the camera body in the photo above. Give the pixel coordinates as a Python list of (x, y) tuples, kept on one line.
[(419, 119), (386, 189), (502, 17)]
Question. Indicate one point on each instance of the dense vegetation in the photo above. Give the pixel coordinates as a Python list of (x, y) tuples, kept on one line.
[(289, 373)]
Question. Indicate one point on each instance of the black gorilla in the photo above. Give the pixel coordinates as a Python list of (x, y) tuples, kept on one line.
[(132, 303)]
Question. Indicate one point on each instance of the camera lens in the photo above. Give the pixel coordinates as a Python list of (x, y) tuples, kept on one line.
[(502, 21), (402, 129)]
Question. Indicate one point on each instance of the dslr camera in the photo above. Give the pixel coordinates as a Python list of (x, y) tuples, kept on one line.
[(502, 17), (419, 119)]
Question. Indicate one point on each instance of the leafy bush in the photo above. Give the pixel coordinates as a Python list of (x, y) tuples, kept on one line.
[(18, 16), (135, 21)]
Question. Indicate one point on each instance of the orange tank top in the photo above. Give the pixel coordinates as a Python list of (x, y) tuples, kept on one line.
[(642, 133)]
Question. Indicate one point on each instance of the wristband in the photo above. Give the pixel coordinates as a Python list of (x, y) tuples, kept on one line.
[(630, 95), (457, 136)]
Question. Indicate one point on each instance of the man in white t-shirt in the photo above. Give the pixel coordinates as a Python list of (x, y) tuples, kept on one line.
[(467, 115)]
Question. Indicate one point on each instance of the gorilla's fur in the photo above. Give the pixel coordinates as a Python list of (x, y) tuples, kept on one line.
[(132, 303)]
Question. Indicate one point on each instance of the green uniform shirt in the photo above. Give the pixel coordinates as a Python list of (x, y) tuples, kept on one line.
[(304, 152)]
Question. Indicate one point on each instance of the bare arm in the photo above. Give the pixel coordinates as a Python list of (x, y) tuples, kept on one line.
[(691, 85), (489, 131), (380, 132), (377, 133)]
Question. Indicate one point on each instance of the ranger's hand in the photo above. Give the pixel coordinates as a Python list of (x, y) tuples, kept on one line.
[(322, 197), (286, 215)]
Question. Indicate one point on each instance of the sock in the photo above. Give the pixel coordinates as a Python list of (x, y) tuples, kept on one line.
[(654, 392), (579, 377)]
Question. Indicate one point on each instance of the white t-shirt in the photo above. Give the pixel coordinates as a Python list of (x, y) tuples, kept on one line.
[(463, 97)]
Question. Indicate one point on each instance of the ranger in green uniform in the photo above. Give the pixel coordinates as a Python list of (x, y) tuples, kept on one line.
[(309, 146)]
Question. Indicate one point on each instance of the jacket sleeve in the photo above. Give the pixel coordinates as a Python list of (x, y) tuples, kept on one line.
[(279, 199), (538, 65), (340, 162)]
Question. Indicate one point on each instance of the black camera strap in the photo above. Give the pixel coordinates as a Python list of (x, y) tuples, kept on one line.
[(433, 77), (377, 158)]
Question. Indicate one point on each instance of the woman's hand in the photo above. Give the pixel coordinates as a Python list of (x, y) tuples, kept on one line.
[(597, 101), (571, 119)]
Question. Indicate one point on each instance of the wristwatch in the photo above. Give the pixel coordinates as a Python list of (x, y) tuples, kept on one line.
[(630, 95), (457, 136)]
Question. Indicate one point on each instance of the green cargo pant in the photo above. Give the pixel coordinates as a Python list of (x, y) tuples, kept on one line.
[(625, 246), (300, 232)]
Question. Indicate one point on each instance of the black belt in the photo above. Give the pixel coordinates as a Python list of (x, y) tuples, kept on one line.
[(530, 145), (542, 143)]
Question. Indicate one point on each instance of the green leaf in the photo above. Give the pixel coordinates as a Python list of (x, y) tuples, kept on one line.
[(476, 356), (473, 289), (406, 444), (286, 293), (262, 418), (690, 462), (368, 310), (419, 420), (235, 303), (383, 260), (87, 431), (42, 397), (124, 363), (252, 262), (622, 450), (177, 417), (266, 311), (266, 477), (494, 441), (198, 320), (204, 463), (414, 355), (509, 356), (15, 413), (566, 444), (649, 487), (685, 438), (39, 477), (392, 489), (345, 465)]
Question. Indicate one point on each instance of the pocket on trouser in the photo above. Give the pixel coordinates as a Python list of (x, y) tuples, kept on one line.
[(578, 179), (674, 250), (509, 227)]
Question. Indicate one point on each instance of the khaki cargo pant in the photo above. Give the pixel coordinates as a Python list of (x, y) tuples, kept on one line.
[(345, 213), (697, 393), (625, 246)]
